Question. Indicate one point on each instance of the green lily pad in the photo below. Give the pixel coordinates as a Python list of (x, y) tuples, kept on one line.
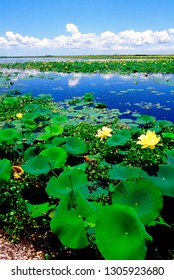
[(68, 180), (143, 196), (30, 124), (145, 119), (170, 156), (9, 136), (118, 228), (38, 210), (50, 131), (164, 179), (5, 170), (163, 123), (75, 146), (37, 165), (124, 172), (168, 135), (68, 225), (56, 156), (120, 138)]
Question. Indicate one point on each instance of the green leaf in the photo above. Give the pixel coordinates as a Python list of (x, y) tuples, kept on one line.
[(168, 135), (37, 165), (56, 156), (124, 172), (120, 138), (145, 119), (38, 210), (9, 136), (59, 119), (50, 131), (84, 207), (119, 233), (67, 181), (75, 146), (30, 124), (141, 195), (163, 123), (164, 179), (68, 225), (30, 152), (11, 101), (5, 170), (170, 156)]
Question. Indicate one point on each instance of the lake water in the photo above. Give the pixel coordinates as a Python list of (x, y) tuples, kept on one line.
[(137, 93)]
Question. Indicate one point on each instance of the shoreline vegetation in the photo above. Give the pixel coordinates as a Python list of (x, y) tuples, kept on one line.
[(102, 56), (122, 66)]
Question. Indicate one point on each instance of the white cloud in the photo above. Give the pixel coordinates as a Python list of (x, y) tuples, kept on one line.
[(129, 41), (72, 28)]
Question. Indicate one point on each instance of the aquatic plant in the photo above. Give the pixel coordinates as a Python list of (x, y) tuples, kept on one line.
[(104, 132), (148, 140)]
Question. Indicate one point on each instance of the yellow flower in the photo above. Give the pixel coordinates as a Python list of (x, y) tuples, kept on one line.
[(104, 132), (19, 116), (148, 140), (17, 171)]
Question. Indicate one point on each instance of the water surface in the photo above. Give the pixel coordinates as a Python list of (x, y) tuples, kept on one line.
[(136, 93)]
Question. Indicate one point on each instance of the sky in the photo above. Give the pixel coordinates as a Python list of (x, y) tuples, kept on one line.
[(83, 27)]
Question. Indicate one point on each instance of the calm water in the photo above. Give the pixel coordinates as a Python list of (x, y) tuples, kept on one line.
[(137, 93)]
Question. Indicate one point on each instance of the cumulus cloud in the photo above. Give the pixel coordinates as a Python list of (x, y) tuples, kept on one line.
[(72, 28), (130, 41)]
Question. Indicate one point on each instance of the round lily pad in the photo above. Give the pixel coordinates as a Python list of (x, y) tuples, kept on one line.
[(143, 196), (120, 138), (74, 146), (119, 233), (56, 155), (37, 165), (67, 181)]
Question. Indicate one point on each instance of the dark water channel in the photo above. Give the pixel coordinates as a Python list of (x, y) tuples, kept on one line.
[(137, 93)]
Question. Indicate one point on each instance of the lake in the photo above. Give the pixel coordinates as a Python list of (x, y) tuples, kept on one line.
[(151, 94)]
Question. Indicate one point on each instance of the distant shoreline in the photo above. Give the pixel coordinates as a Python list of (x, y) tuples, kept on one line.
[(136, 56)]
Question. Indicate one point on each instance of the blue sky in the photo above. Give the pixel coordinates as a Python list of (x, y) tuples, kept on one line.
[(72, 27)]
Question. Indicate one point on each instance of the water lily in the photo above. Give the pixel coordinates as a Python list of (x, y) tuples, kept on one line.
[(17, 171), (104, 132), (19, 116), (148, 140)]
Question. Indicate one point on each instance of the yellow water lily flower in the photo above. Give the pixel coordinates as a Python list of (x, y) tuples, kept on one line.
[(19, 116), (104, 132), (17, 171), (148, 140)]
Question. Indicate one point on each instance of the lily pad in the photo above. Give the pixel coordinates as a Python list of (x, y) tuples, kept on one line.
[(38, 210), (164, 179), (5, 170), (124, 172), (75, 146), (144, 119), (68, 180), (118, 227), (68, 225), (9, 136), (120, 138), (56, 156), (37, 165), (143, 196)]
